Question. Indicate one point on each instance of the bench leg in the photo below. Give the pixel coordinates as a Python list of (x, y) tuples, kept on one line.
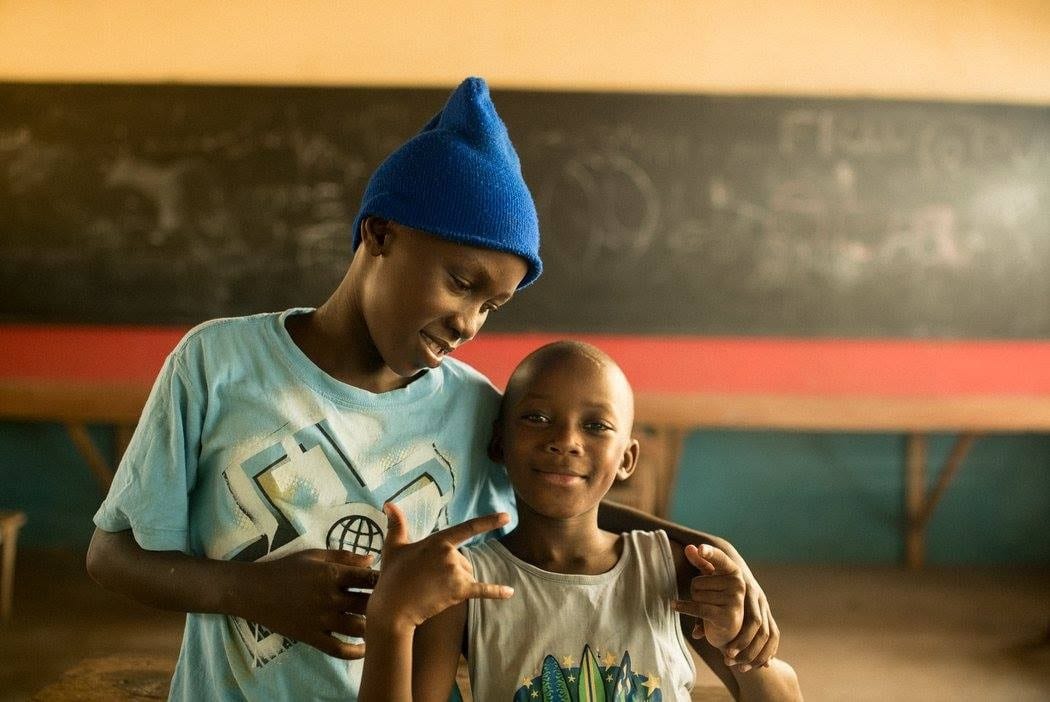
[(914, 500), (89, 451), (917, 504), (8, 542)]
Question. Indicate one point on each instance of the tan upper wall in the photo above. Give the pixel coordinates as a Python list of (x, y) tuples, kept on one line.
[(948, 49)]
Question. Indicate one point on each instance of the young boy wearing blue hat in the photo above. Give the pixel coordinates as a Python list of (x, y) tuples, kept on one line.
[(249, 495)]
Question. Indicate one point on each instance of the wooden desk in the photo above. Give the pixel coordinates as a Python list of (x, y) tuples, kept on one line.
[(75, 405), (663, 422)]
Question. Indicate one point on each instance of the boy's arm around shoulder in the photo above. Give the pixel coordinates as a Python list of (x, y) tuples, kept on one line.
[(257, 592), (615, 517), (775, 681), (759, 637)]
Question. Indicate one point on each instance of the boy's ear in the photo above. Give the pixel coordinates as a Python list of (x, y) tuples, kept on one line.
[(375, 234), (496, 442), (629, 461)]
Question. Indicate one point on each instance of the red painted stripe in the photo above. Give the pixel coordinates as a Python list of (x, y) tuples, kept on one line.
[(85, 352), (888, 367), (801, 366)]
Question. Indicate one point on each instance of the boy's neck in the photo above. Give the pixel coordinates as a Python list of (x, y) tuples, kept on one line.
[(572, 545), (334, 337)]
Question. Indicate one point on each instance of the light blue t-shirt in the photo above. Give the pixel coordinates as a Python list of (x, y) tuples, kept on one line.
[(248, 451)]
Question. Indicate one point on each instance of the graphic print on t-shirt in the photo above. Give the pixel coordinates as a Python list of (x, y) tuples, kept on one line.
[(595, 679), (304, 492)]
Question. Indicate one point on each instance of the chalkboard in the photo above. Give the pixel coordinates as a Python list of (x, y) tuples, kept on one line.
[(661, 214)]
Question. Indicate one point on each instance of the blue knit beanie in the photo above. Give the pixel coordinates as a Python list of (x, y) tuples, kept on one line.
[(459, 179)]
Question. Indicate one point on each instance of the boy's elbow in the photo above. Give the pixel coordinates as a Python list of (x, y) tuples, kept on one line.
[(100, 556), (777, 683), (788, 680)]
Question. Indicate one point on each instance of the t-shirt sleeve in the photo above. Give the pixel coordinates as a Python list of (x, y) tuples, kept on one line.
[(491, 484), (149, 494), (496, 495)]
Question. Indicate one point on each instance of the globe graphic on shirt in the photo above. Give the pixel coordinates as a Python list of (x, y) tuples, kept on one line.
[(357, 534)]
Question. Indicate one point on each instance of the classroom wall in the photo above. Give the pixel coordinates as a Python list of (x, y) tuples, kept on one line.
[(956, 49), (951, 50)]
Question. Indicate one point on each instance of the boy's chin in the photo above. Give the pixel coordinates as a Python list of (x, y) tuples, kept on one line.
[(560, 511), (409, 368)]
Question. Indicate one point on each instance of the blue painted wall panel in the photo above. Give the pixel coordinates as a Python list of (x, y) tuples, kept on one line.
[(779, 497)]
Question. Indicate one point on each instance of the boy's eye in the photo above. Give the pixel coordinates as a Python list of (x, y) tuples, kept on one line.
[(535, 418), (597, 427), (460, 283)]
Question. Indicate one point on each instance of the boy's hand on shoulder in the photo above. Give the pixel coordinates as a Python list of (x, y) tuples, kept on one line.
[(321, 605), (759, 636), (421, 579), (716, 595)]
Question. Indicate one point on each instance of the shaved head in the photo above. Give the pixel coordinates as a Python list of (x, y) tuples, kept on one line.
[(564, 431), (572, 354)]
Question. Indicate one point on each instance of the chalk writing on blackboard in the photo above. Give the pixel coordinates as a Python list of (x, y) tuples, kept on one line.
[(668, 214)]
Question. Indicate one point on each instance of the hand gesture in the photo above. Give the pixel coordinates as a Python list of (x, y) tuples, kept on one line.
[(716, 596), (321, 607), (421, 579), (759, 636)]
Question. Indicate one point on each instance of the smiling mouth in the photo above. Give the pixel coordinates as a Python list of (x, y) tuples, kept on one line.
[(560, 478), (438, 349)]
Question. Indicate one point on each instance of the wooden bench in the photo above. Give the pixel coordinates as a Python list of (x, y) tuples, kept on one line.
[(664, 420)]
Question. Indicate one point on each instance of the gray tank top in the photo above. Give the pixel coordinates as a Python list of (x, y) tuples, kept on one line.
[(579, 638)]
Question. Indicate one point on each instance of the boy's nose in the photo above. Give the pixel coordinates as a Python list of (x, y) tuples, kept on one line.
[(466, 324), (565, 442)]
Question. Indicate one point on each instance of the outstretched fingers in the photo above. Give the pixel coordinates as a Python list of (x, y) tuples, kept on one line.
[(397, 530), (467, 530), (489, 591)]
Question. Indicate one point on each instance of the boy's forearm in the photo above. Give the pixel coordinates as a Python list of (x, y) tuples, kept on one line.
[(616, 517), (776, 683), (387, 673), (334, 586), (166, 579)]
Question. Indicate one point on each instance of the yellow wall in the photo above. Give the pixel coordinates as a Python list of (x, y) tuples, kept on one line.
[(950, 49)]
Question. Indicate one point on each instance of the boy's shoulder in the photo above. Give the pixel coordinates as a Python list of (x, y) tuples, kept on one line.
[(647, 536), (655, 547), (224, 331), (462, 369), (487, 550), (458, 372)]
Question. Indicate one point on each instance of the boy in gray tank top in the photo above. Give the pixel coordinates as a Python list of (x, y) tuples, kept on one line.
[(578, 614)]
